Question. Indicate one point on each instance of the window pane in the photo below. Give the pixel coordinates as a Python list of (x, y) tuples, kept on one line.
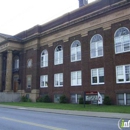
[(94, 79), (101, 79), (94, 72)]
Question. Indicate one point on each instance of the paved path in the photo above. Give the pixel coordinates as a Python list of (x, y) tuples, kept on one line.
[(70, 112)]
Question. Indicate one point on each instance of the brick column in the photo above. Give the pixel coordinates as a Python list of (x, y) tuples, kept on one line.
[(0, 71), (9, 72)]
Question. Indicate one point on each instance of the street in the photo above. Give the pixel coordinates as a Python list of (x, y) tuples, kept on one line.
[(22, 119)]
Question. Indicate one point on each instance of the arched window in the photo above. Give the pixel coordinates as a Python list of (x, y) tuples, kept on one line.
[(122, 40), (58, 55), (44, 58), (75, 51), (96, 46)]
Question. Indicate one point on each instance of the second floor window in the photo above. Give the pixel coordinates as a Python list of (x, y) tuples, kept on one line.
[(75, 51), (58, 80), (43, 81), (58, 55), (96, 46), (123, 73), (44, 58), (76, 78), (97, 76)]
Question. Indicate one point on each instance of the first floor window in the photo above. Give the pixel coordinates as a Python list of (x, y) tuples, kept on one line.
[(76, 78), (123, 74), (57, 98), (58, 80), (75, 98), (97, 76), (123, 99), (44, 81), (29, 81)]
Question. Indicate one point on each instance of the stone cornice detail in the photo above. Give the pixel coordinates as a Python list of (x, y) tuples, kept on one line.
[(104, 22), (10, 46)]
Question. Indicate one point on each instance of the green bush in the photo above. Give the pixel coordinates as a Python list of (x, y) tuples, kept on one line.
[(107, 100), (46, 99), (43, 99), (25, 99), (81, 101), (63, 99)]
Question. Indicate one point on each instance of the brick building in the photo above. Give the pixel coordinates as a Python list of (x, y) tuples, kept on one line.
[(87, 49)]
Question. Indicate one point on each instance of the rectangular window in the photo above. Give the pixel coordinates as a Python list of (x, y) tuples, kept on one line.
[(29, 81), (123, 74), (16, 64), (76, 78), (128, 99), (97, 76), (57, 98), (44, 81), (123, 99), (75, 98), (58, 80)]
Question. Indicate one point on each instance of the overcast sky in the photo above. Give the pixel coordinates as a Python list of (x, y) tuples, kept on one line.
[(20, 15)]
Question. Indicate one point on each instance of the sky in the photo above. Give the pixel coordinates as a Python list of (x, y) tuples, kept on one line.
[(19, 15)]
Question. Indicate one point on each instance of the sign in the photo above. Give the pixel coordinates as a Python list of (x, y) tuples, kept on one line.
[(94, 97)]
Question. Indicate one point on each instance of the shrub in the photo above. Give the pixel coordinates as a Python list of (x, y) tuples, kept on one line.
[(81, 100), (46, 99), (107, 100), (25, 99), (63, 99), (43, 99)]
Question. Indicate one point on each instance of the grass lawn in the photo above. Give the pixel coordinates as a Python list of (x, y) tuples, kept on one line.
[(79, 107)]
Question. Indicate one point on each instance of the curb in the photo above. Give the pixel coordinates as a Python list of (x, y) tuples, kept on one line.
[(70, 112)]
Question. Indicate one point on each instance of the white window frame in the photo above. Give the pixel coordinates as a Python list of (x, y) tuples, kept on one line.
[(97, 76), (75, 51), (58, 55), (58, 80), (121, 40), (122, 73), (44, 79), (96, 46), (44, 58), (76, 78)]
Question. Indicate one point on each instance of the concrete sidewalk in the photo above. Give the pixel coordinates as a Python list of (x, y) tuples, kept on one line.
[(70, 112)]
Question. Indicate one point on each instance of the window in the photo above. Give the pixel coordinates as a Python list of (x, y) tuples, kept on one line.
[(44, 58), (58, 55), (75, 98), (96, 46), (29, 81), (123, 99), (97, 76), (58, 80), (16, 63), (122, 40), (76, 78), (44, 81), (123, 74), (29, 63), (57, 98), (76, 51)]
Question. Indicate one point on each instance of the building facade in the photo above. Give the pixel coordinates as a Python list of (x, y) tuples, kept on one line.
[(87, 49)]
